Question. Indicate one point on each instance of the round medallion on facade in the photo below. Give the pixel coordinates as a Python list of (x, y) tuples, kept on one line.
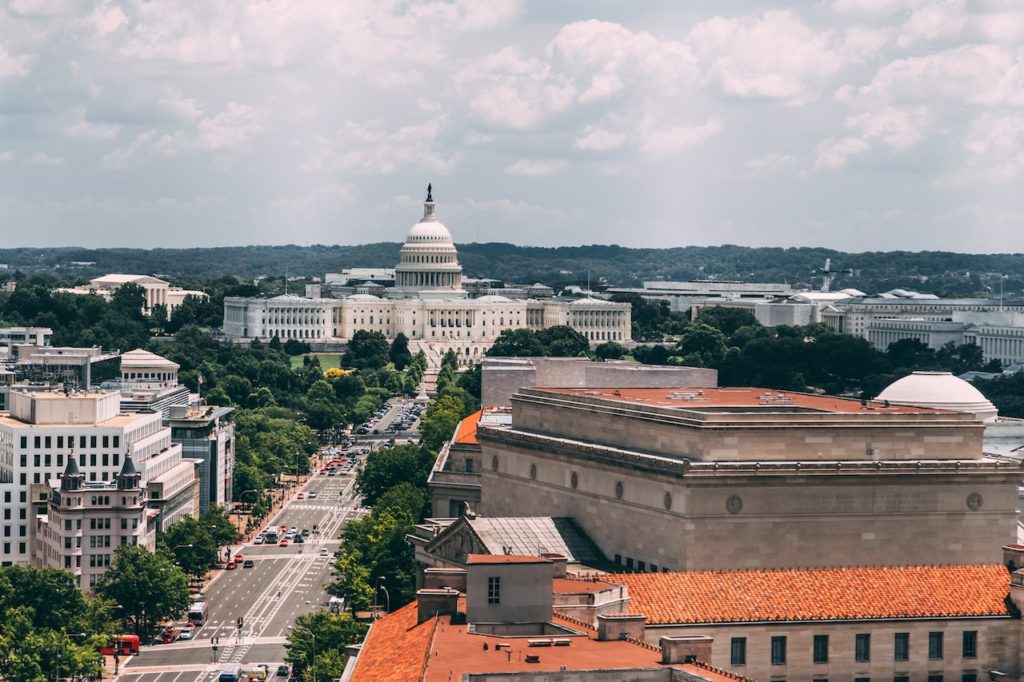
[(734, 504), (533, 472), (667, 501), (494, 462), (974, 501), (618, 490), (574, 480)]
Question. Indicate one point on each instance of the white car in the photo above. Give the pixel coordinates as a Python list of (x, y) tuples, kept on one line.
[(258, 540), (324, 552), (186, 632)]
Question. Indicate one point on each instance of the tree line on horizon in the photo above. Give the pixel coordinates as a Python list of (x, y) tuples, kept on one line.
[(940, 272)]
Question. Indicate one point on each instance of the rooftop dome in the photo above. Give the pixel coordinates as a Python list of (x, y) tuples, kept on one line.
[(940, 390), (494, 298), (430, 232)]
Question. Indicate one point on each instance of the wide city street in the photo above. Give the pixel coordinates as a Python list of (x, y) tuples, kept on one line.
[(284, 583)]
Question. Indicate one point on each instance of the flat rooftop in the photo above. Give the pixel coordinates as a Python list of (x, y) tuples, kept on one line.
[(742, 399)]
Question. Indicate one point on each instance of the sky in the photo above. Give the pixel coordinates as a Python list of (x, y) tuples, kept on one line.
[(859, 125)]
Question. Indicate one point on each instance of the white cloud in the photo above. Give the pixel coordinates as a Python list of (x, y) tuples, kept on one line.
[(663, 141), (91, 129), (12, 66), (900, 129), (775, 55), (107, 18), (536, 167), (994, 148), (770, 163), (374, 148), (41, 158), (229, 128), (595, 139), (7, 155), (834, 153)]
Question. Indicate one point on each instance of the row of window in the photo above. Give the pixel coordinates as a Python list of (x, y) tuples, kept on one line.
[(7, 550), (40, 477), (47, 459), (47, 442), (861, 649)]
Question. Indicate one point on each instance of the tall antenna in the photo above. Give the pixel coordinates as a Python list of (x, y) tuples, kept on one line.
[(286, 280)]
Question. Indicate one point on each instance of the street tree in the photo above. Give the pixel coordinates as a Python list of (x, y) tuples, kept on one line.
[(325, 632), (150, 587), (191, 545), (399, 352), (391, 466)]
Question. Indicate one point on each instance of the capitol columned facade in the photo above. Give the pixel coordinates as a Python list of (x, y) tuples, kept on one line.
[(427, 304)]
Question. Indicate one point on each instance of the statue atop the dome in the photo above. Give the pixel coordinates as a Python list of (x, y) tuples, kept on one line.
[(429, 197)]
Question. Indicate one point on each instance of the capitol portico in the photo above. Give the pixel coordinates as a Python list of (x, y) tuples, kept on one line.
[(427, 304)]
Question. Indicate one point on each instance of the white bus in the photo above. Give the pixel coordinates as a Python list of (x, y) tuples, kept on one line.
[(230, 674), (197, 613)]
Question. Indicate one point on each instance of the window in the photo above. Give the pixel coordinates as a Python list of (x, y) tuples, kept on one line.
[(738, 651), (935, 677), (778, 651), (862, 648), (493, 590), (969, 677), (821, 648), (934, 646), (106, 441), (92, 442), (24, 444), (48, 442), (902, 647), (970, 643), (862, 679), (117, 442)]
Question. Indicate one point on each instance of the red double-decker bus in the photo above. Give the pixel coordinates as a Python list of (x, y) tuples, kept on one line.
[(123, 645)]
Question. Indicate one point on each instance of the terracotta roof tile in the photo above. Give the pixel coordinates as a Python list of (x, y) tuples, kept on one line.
[(465, 432), (396, 648), (818, 594)]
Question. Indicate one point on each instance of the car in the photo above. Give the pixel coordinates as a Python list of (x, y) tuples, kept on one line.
[(231, 566), (282, 671), (323, 551), (293, 530), (186, 632), (258, 540), (305, 532), (248, 563), (312, 494), (239, 558), (301, 496), (283, 543), (337, 553), (298, 540), (170, 635)]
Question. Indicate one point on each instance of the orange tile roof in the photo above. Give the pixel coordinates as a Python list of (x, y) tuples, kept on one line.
[(695, 398), (399, 650), (818, 594), (572, 586), (465, 432), (396, 648), (505, 559)]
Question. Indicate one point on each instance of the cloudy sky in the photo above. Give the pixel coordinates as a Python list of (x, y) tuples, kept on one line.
[(852, 124)]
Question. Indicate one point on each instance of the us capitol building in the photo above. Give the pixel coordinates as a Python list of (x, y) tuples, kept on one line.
[(427, 303)]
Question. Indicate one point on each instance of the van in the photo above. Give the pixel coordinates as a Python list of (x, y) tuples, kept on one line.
[(233, 674)]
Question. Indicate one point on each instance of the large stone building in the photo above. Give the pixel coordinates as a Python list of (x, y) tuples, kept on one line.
[(715, 479), (42, 431), (85, 522), (156, 291), (427, 304)]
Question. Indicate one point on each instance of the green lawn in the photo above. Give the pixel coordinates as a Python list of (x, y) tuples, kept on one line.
[(327, 360)]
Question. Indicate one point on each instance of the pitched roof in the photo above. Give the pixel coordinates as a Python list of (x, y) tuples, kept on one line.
[(143, 358), (818, 594), (537, 535), (465, 432), (395, 649)]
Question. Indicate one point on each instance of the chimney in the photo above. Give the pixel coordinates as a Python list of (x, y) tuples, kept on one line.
[(1017, 589), (560, 562), (436, 602), (612, 626), (437, 578), (685, 649), (1013, 557)]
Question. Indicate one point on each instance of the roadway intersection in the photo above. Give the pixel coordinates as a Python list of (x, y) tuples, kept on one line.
[(284, 583)]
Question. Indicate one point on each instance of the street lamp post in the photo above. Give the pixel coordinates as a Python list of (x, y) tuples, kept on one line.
[(313, 636), (60, 645), (241, 499), (376, 593)]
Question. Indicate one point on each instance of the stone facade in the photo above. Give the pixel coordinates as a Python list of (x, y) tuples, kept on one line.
[(657, 491)]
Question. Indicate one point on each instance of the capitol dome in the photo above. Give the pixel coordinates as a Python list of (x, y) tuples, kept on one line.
[(940, 390), (428, 261)]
